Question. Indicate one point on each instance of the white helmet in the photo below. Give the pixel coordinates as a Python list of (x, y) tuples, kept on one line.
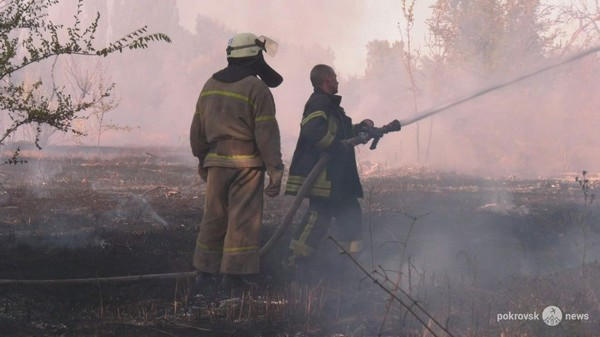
[(248, 44)]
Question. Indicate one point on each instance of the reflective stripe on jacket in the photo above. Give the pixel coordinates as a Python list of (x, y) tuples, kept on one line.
[(234, 125), (324, 124)]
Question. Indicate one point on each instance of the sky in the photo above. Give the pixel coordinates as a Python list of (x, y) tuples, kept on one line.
[(296, 22), (287, 21)]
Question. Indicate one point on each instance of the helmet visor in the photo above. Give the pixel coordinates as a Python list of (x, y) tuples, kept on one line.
[(269, 45)]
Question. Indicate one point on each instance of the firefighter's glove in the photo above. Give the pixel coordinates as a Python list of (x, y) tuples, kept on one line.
[(274, 186), (365, 126), (364, 137), (203, 172)]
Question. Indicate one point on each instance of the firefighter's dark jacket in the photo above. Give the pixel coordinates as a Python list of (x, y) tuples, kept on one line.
[(324, 124)]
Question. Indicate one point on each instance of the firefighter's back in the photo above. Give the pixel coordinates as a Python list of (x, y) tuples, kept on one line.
[(229, 116)]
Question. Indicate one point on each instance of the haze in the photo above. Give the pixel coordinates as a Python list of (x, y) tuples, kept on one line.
[(543, 126)]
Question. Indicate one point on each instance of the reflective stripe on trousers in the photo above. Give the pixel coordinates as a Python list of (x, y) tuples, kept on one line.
[(229, 237), (314, 227)]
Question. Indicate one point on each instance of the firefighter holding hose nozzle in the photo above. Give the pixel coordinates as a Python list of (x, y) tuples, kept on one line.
[(325, 128)]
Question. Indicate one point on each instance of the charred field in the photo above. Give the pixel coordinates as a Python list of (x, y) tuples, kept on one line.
[(466, 249)]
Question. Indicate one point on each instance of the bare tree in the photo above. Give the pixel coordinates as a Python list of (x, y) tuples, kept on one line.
[(89, 82), (410, 61), (583, 14), (29, 37)]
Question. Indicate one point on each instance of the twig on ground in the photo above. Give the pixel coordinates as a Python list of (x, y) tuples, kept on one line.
[(414, 220), (394, 296)]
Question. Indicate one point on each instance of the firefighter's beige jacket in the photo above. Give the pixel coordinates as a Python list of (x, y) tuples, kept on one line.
[(234, 125)]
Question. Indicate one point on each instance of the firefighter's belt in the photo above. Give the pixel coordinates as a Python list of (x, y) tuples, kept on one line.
[(233, 147)]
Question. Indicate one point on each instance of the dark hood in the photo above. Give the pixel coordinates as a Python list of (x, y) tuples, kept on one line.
[(240, 68)]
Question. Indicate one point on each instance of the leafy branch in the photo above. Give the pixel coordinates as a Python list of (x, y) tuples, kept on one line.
[(29, 36)]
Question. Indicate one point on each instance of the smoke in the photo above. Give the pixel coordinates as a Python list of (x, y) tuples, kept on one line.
[(133, 209), (483, 237), (542, 126)]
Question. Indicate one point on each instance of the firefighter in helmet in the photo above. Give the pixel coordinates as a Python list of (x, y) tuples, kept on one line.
[(235, 136)]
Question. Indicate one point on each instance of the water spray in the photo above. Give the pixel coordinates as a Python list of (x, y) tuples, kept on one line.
[(433, 111)]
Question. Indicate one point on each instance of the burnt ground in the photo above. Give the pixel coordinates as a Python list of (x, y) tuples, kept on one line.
[(466, 248)]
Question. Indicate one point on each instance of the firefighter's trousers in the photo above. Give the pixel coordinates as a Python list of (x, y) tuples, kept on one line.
[(229, 238), (314, 227)]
